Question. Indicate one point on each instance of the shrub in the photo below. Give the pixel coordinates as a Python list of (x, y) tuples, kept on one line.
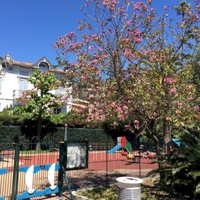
[(181, 169)]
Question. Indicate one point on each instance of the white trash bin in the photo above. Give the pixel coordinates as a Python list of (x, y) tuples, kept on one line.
[(129, 188)]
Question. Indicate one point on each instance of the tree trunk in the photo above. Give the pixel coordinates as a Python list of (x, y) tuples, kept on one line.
[(38, 138), (166, 134), (156, 144), (151, 133)]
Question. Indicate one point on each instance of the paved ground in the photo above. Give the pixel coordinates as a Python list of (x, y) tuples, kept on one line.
[(66, 197), (53, 197)]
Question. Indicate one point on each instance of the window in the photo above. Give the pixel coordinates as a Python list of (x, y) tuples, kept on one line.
[(15, 106), (43, 67), (57, 110), (24, 73), (23, 85)]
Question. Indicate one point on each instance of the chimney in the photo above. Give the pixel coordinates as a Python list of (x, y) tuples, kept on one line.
[(7, 57)]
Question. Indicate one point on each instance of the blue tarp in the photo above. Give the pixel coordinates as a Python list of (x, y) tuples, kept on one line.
[(174, 141)]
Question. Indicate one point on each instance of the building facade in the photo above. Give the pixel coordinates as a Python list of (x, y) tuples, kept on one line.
[(14, 79)]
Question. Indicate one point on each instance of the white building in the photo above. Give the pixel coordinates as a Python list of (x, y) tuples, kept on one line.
[(14, 77)]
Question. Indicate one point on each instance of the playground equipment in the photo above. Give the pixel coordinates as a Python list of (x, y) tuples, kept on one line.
[(125, 145), (149, 155)]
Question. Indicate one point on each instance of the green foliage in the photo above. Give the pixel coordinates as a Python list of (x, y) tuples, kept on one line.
[(51, 135), (39, 101), (79, 120), (57, 119), (196, 67), (7, 117), (181, 169), (10, 135), (74, 119), (37, 104)]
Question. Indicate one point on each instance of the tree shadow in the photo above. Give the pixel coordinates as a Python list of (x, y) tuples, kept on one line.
[(93, 179)]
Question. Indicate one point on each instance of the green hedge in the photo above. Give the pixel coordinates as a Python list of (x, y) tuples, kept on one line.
[(52, 136), (75, 134), (10, 135)]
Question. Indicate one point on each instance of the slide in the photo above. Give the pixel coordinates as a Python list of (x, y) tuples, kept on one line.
[(128, 146), (114, 149)]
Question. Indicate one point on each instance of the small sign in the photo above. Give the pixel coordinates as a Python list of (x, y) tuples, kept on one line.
[(77, 155)]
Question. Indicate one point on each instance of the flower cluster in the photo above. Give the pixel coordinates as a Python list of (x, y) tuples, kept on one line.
[(110, 4), (140, 6), (170, 80)]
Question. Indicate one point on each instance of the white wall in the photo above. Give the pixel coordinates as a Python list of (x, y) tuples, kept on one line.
[(11, 82)]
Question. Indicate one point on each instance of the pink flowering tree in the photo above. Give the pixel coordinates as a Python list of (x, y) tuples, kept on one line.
[(37, 103), (135, 64)]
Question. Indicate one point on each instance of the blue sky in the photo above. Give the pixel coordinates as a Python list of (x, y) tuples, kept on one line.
[(29, 28)]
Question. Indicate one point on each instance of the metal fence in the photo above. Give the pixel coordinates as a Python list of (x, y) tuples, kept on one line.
[(14, 166), (103, 168)]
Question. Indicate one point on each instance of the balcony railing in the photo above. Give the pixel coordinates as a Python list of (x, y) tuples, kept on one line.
[(17, 93)]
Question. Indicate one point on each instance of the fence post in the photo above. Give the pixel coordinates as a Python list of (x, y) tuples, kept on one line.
[(62, 163), (15, 172)]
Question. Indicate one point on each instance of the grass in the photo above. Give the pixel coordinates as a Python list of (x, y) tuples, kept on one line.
[(38, 151), (33, 151), (150, 191), (102, 193)]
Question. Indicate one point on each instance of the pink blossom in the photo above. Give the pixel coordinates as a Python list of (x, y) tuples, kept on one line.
[(127, 127), (72, 34), (115, 124), (178, 112), (175, 75), (170, 80), (97, 118), (119, 109), (94, 67), (121, 117), (137, 39), (125, 108), (196, 107), (173, 91), (127, 53), (195, 17), (128, 23), (136, 7), (190, 86), (179, 103), (91, 48), (104, 56), (88, 26), (83, 77), (72, 46), (110, 4), (165, 7), (140, 6), (136, 124), (80, 27), (149, 18)]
